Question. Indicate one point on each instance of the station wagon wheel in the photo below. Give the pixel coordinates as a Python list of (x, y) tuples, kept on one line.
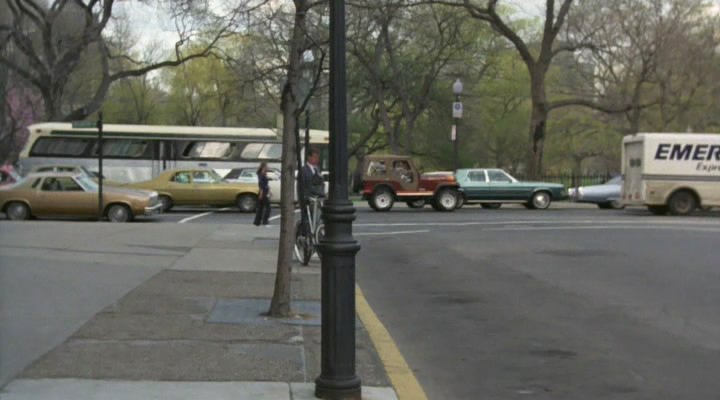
[(682, 203), (491, 206), (541, 200), (119, 213), (460, 200), (166, 202), (382, 199), (17, 211), (446, 200), (247, 202)]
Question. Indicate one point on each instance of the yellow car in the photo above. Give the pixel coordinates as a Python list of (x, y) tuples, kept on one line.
[(200, 187), (65, 194)]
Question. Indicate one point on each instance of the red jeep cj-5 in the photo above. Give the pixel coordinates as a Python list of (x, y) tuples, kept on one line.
[(389, 178)]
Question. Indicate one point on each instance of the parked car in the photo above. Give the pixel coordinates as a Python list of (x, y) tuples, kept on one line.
[(66, 194), (249, 175), (607, 195), (389, 178), (200, 187), (76, 169), (492, 187), (8, 175)]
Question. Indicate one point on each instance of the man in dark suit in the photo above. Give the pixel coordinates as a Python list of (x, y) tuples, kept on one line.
[(311, 181)]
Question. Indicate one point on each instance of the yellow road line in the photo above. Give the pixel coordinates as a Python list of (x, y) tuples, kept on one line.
[(401, 376)]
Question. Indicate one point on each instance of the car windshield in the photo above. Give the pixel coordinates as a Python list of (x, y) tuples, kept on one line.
[(87, 183), (615, 181)]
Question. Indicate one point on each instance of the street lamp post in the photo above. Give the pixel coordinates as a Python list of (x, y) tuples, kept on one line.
[(337, 378), (457, 115)]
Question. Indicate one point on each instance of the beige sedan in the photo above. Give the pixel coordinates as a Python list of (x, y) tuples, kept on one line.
[(59, 194)]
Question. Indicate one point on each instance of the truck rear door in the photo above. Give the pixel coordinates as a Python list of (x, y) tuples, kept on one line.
[(633, 188)]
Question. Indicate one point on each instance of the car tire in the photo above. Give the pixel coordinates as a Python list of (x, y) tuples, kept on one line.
[(166, 203), (460, 201), (446, 200), (17, 211), (541, 200), (658, 210), (491, 206), (382, 199), (247, 202), (682, 203), (420, 203), (119, 213)]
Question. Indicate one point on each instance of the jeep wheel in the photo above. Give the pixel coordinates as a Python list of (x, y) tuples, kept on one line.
[(382, 199), (420, 203), (446, 200)]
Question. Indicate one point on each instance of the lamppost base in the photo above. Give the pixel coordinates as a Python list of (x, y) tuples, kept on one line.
[(338, 389)]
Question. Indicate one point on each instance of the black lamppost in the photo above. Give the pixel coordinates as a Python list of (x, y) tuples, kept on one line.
[(457, 115), (337, 378)]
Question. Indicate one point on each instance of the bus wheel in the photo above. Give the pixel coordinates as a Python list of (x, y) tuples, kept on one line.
[(247, 202), (682, 203)]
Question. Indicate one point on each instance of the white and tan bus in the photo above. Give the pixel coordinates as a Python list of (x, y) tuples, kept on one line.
[(671, 172), (134, 153)]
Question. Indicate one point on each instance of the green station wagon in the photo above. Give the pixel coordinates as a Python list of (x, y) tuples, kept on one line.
[(491, 187)]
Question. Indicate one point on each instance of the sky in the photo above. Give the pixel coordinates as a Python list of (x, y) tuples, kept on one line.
[(151, 25)]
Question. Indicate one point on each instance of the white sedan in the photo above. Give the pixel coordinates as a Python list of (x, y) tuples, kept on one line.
[(249, 175)]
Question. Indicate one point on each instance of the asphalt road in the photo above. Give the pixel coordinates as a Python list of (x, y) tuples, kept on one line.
[(560, 304)]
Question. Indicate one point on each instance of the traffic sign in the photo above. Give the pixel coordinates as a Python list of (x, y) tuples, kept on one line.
[(457, 109), (84, 124)]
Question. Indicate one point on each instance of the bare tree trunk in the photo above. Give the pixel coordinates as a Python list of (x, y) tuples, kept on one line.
[(280, 305), (538, 122)]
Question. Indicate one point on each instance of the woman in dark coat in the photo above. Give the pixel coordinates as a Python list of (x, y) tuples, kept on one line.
[(262, 213)]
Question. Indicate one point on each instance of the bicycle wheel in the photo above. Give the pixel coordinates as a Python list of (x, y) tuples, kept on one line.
[(303, 245), (319, 234)]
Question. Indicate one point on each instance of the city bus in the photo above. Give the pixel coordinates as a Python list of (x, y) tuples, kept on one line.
[(133, 153)]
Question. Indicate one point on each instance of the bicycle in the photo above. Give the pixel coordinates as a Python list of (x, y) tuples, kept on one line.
[(308, 234)]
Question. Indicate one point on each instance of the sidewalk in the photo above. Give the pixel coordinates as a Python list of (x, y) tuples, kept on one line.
[(193, 330)]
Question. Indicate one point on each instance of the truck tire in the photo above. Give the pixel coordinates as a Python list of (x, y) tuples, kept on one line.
[(382, 199), (682, 203), (445, 200)]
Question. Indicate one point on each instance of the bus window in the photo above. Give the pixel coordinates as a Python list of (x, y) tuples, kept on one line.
[(251, 151), (67, 147), (271, 151), (123, 148), (209, 150)]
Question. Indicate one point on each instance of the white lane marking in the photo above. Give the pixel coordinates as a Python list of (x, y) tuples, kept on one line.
[(600, 227), (528, 222), (391, 233), (273, 218), (188, 219)]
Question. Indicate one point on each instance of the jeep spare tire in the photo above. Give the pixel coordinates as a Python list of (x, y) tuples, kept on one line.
[(382, 199)]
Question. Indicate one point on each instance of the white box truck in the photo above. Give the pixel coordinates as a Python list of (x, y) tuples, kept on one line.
[(671, 172)]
